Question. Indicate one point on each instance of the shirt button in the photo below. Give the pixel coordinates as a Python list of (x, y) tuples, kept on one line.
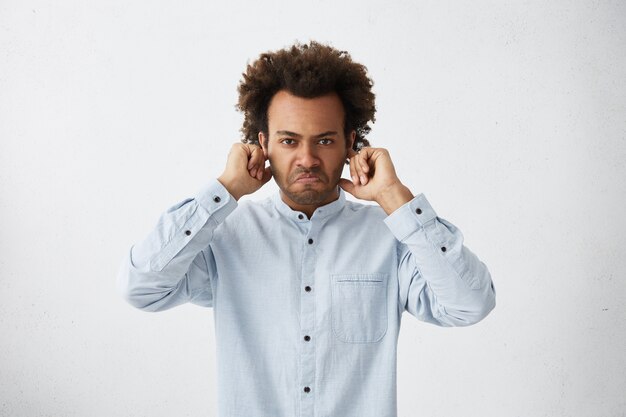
[(307, 289), (418, 210), (443, 248), (300, 216), (307, 389), (187, 232), (307, 337), (310, 241), (217, 199)]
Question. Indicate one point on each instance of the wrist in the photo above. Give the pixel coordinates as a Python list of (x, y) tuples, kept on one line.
[(393, 197), (230, 187)]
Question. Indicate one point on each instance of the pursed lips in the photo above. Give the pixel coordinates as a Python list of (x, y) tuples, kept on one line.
[(307, 178)]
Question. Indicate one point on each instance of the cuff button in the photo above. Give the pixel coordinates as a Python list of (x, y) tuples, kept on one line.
[(418, 211), (217, 199), (443, 248), (187, 232)]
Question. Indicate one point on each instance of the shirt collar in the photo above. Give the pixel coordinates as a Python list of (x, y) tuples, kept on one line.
[(321, 212)]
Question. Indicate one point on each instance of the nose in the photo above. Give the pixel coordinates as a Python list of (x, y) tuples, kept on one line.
[(307, 156)]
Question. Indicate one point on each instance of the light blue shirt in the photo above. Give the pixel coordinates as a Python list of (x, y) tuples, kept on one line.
[(307, 311)]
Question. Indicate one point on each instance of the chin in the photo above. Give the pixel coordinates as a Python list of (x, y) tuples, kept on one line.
[(310, 196)]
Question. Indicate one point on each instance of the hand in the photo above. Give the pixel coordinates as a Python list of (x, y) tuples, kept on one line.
[(374, 179), (245, 170)]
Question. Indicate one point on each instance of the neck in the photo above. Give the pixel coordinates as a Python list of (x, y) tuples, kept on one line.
[(309, 209)]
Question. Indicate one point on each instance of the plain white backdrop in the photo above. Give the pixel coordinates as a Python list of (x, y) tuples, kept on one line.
[(509, 116)]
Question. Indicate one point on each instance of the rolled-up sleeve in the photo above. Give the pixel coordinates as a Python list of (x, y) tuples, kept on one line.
[(174, 263), (441, 281)]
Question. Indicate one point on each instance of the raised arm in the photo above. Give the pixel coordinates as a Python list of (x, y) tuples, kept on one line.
[(174, 263), (441, 281)]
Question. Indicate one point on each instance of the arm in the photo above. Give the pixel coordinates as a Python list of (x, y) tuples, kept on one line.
[(174, 263), (171, 265), (441, 280)]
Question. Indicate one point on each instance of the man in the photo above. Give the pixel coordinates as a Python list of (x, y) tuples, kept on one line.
[(308, 288)]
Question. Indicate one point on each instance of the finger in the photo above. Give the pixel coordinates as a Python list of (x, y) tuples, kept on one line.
[(347, 186), (266, 175), (256, 163), (251, 151), (365, 156), (353, 173), (358, 167), (259, 166), (261, 170)]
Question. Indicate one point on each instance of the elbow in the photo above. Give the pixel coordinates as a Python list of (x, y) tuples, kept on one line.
[(127, 288), (472, 312), (142, 300), (143, 291), (489, 302), (481, 312), (485, 306), (482, 302), (134, 299)]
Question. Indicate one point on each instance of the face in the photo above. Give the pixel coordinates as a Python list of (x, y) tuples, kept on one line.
[(306, 148)]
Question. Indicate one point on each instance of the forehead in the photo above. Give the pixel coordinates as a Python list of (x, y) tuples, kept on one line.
[(305, 115)]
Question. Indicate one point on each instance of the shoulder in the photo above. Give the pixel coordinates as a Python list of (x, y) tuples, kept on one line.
[(251, 211), (356, 214), (368, 210), (364, 221)]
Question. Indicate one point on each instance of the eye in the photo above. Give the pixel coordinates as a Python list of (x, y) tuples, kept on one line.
[(287, 141), (326, 141)]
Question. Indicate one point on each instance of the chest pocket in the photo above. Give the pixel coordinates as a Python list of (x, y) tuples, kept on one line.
[(359, 307)]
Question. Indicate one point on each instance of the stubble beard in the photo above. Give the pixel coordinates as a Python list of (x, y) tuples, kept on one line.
[(310, 195)]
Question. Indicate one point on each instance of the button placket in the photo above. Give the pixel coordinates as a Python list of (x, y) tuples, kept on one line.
[(307, 323)]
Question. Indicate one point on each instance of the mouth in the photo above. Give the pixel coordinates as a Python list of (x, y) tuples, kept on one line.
[(307, 179)]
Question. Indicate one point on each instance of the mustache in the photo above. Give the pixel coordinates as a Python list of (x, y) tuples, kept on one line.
[(312, 171)]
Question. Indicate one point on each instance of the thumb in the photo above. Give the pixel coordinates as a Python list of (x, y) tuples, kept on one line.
[(347, 186), (267, 175)]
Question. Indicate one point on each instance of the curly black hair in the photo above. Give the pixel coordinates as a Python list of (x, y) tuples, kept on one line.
[(308, 71)]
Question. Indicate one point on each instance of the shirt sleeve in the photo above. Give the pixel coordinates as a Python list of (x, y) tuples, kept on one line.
[(173, 264), (441, 281)]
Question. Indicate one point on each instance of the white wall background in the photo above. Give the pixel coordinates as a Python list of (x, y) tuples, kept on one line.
[(509, 116)]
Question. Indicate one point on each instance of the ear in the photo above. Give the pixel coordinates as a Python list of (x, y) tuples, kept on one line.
[(263, 143), (351, 139)]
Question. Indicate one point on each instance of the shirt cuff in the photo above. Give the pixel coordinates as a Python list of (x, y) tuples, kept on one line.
[(216, 199), (410, 217)]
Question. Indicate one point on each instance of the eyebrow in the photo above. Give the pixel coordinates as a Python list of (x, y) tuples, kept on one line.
[(288, 133)]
